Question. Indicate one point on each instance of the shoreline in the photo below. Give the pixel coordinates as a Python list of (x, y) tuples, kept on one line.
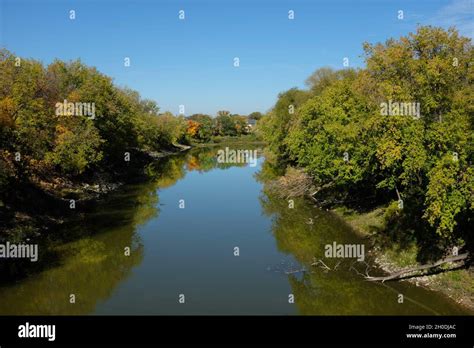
[(457, 284), (57, 193)]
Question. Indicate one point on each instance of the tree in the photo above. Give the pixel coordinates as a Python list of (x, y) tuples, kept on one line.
[(240, 123), (328, 136), (223, 113), (279, 120), (256, 115), (73, 143), (340, 135), (325, 76), (193, 128), (225, 124), (75, 149), (206, 127), (449, 194)]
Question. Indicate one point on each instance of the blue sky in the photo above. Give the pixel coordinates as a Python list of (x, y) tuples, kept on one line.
[(190, 62)]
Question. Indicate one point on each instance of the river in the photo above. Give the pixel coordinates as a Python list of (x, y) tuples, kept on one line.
[(232, 249)]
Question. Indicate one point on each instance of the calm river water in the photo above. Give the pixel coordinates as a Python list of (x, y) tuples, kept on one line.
[(190, 251)]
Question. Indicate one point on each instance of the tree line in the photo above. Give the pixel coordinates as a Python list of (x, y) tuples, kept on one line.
[(203, 128), (34, 136), (68, 119), (340, 132)]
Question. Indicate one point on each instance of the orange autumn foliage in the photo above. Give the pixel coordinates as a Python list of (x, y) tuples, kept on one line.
[(193, 128)]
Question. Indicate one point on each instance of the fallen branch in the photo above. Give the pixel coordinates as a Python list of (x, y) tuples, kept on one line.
[(366, 269), (295, 183), (296, 271), (402, 272), (323, 264), (320, 188)]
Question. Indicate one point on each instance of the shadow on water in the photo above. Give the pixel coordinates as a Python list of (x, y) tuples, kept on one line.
[(304, 231), (87, 255)]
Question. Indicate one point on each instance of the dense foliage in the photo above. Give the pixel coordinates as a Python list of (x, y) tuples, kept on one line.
[(203, 127), (34, 136), (421, 161)]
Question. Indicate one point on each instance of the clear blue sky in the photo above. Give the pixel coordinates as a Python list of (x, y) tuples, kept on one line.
[(190, 62)]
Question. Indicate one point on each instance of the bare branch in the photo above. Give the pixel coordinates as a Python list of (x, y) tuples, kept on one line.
[(407, 271)]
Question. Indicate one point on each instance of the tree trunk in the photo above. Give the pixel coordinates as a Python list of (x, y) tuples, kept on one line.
[(398, 274)]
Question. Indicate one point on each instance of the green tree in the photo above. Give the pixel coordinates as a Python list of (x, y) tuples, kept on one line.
[(325, 76), (76, 149), (340, 135), (278, 121), (206, 128), (224, 124), (256, 115)]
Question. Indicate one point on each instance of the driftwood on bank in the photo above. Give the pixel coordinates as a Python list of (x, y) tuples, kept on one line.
[(295, 183), (406, 271), (323, 265)]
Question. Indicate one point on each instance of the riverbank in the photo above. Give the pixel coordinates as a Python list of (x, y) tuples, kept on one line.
[(229, 140), (389, 254), (45, 200), (457, 284)]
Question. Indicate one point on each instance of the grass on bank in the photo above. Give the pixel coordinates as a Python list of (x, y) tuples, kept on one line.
[(457, 284), (229, 140)]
